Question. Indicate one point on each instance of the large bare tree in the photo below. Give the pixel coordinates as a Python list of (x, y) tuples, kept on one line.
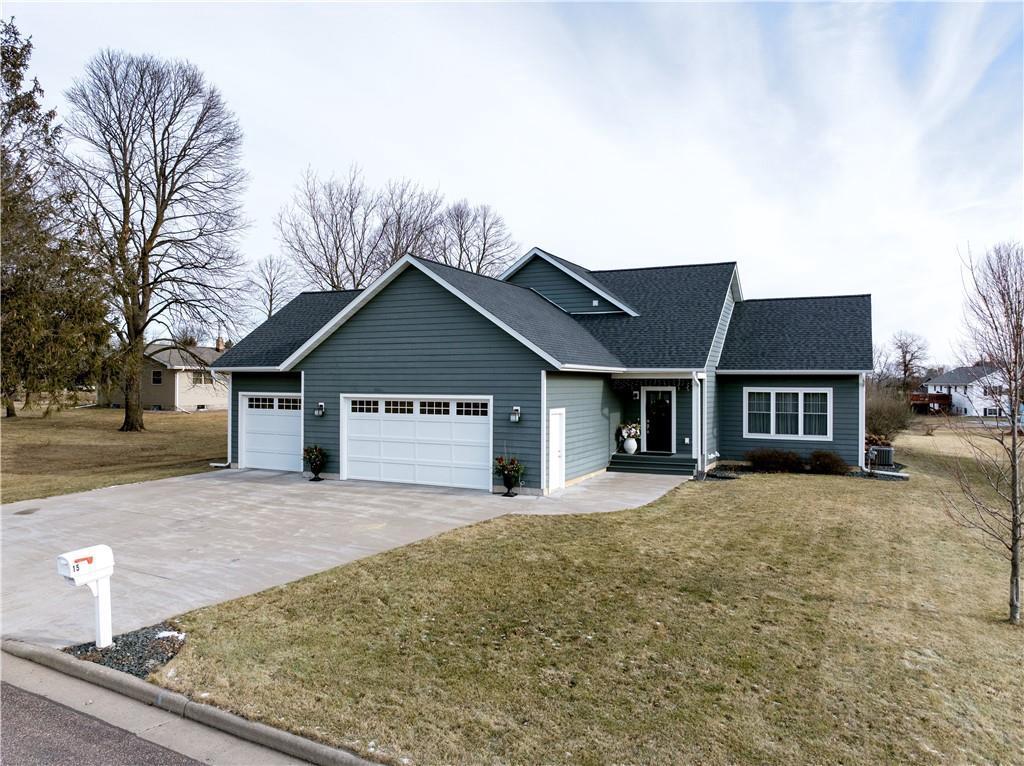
[(909, 354), (410, 217), (989, 480), (155, 154), (334, 230), (273, 283), (474, 238)]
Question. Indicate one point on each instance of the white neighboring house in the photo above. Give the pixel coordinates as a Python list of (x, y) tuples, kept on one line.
[(974, 391), (175, 379)]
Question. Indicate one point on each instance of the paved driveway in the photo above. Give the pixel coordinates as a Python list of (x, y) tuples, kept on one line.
[(196, 540)]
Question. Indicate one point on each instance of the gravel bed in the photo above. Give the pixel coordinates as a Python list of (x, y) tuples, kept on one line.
[(140, 652)]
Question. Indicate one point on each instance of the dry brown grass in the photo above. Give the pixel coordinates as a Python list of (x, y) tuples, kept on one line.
[(81, 449), (772, 619)]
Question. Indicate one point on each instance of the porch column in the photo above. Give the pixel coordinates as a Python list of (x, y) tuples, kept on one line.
[(697, 448)]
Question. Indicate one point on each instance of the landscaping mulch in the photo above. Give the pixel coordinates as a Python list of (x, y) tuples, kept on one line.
[(139, 652)]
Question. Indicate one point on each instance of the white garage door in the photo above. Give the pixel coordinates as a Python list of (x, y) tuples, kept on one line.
[(444, 441), (271, 432)]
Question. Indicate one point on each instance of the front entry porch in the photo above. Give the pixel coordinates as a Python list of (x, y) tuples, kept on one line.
[(663, 410)]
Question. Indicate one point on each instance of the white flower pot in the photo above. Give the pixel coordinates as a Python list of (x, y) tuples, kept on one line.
[(629, 446)]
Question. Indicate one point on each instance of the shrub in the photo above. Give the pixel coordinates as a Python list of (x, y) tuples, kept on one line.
[(823, 461), (874, 440), (887, 414), (775, 461)]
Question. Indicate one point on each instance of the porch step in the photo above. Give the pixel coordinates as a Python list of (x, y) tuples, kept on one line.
[(676, 465)]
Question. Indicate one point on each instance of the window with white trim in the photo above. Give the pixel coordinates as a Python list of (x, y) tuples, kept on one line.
[(471, 409), (398, 407), (364, 405), (289, 403), (260, 403), (993, 412), (435, 408), (201, 378), (787, 413)]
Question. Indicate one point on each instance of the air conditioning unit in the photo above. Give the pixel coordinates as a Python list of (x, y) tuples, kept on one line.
[(883, 456)]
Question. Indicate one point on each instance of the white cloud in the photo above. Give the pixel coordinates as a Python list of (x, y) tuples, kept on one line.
[(828, 149)]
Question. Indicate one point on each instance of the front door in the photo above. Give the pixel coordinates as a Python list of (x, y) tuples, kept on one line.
[(657, 425)]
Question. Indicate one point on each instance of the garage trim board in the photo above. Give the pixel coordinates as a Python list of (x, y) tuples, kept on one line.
[(433, 439), (282, 412)]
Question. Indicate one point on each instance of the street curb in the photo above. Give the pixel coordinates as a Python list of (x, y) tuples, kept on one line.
[(179, 704)]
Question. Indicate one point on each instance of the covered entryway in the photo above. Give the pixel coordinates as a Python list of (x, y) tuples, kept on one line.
[(438, 440), (270, 431)]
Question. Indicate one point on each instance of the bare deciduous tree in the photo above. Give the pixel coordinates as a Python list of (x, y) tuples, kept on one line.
[(989, 480), (334, 231), (156, 160), (473, 238), (909, 354), (272, 284), (410, 217)]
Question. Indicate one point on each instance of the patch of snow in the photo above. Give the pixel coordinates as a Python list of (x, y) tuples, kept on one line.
[(170, 634)]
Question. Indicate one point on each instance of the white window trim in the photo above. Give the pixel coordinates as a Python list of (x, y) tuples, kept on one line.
[(799, 436)]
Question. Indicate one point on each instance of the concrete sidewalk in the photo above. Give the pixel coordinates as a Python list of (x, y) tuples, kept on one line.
[(137, 728), (192, 541)]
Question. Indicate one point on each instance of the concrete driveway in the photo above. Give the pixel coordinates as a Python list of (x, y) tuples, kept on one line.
[(196, 540)]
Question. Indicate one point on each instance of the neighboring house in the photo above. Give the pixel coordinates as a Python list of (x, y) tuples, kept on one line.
[(176, 379), (972, 391), (428, 373)]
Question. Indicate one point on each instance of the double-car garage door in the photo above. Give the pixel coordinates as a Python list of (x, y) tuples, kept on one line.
[(443, 441)]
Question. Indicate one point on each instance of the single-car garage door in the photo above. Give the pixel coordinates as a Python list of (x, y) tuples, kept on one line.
[(443, 441), (271, 432)]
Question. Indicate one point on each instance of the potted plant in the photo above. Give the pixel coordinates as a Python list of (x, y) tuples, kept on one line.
[(511, 472), (629, 433), (316, 459)]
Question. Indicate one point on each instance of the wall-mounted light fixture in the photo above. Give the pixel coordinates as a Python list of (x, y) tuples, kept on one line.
[(636, 395), (320, 409), (516, 414)]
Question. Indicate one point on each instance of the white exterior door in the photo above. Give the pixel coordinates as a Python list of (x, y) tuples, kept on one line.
[(439, 440), (556, 448), (270, 432)]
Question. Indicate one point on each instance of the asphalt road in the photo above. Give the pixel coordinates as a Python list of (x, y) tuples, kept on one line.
[(36, 730)]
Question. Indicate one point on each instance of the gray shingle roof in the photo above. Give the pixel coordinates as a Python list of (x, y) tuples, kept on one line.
[(587, 276), (531, 315), (194, 358), (961, 376), (826, 333), (281, 335), (679, 308)]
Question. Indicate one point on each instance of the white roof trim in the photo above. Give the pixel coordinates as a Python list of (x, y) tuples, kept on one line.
[(657, 372), (792, 372), (585, 282), (589, 368), (721, 313), (385, 279)]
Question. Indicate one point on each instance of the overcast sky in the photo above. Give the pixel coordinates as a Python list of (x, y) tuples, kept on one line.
[(828, 149)]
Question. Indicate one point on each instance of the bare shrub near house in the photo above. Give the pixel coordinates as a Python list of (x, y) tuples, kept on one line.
[(989, 480), (887, 412), (155, 155)]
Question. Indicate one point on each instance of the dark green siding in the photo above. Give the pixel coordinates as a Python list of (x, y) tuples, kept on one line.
[(242, 382), (592, 414), (845, 416), (559, 288), (414, 337)]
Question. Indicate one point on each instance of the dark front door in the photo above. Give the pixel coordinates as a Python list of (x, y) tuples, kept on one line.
[(658, 414)]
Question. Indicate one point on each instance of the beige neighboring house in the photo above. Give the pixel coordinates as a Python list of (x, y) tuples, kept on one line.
[(175, 379)]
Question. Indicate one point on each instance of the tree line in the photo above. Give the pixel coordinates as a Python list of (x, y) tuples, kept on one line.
[(121, 226)]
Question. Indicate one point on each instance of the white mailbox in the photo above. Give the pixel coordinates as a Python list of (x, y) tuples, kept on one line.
[(92, 566)]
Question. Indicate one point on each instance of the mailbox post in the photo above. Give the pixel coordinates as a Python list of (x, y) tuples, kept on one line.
[(92, 566)]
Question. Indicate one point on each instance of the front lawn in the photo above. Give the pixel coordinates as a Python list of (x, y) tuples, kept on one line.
[(772, 619), (81, 449)]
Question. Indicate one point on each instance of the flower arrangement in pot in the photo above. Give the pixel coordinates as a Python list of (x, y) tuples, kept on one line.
[(629, 433), (511, 472), (316, 459)]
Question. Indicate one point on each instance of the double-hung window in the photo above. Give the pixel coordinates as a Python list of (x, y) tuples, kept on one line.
[(787, 413)]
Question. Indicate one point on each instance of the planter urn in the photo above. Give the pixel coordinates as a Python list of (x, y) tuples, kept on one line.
[(629, 446), (510, 484)]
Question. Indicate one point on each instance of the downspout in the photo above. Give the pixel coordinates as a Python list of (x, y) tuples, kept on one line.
[(697, 417)]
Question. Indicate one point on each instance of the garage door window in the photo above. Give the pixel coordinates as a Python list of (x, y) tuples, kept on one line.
[(364, 405), (261, 402), (435, 408), (471, 409), (398, 406), (289, 403)]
